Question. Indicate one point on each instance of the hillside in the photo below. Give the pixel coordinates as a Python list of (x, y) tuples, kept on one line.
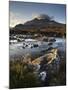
[(44, 25)]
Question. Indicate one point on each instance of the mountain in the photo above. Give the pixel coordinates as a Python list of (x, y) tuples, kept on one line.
[(41, 25), (36, 23)]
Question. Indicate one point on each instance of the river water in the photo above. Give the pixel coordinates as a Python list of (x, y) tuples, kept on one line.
[(16, 49)]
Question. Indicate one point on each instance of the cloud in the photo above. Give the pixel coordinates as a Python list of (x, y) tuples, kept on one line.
[(15, 19), (43, 16), (34, 15)]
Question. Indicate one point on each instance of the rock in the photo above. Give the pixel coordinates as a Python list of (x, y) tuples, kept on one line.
[(43, 75)]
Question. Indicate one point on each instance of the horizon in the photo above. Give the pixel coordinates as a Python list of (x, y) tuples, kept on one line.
[(21, 12)]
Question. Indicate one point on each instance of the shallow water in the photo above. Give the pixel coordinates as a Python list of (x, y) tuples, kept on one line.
[(16, 49)]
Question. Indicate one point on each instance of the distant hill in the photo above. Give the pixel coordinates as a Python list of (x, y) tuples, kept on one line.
[(40, 25)]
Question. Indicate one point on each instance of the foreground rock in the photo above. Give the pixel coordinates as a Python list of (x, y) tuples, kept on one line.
[(47, 70)]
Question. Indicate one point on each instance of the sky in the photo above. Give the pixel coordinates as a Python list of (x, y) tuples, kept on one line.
[(21, 12)]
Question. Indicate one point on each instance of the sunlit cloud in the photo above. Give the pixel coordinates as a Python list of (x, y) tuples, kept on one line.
[(34, 15), (15, 19), (18, 18)]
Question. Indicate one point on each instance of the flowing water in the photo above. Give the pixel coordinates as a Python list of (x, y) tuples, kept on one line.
[(16, 49)]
